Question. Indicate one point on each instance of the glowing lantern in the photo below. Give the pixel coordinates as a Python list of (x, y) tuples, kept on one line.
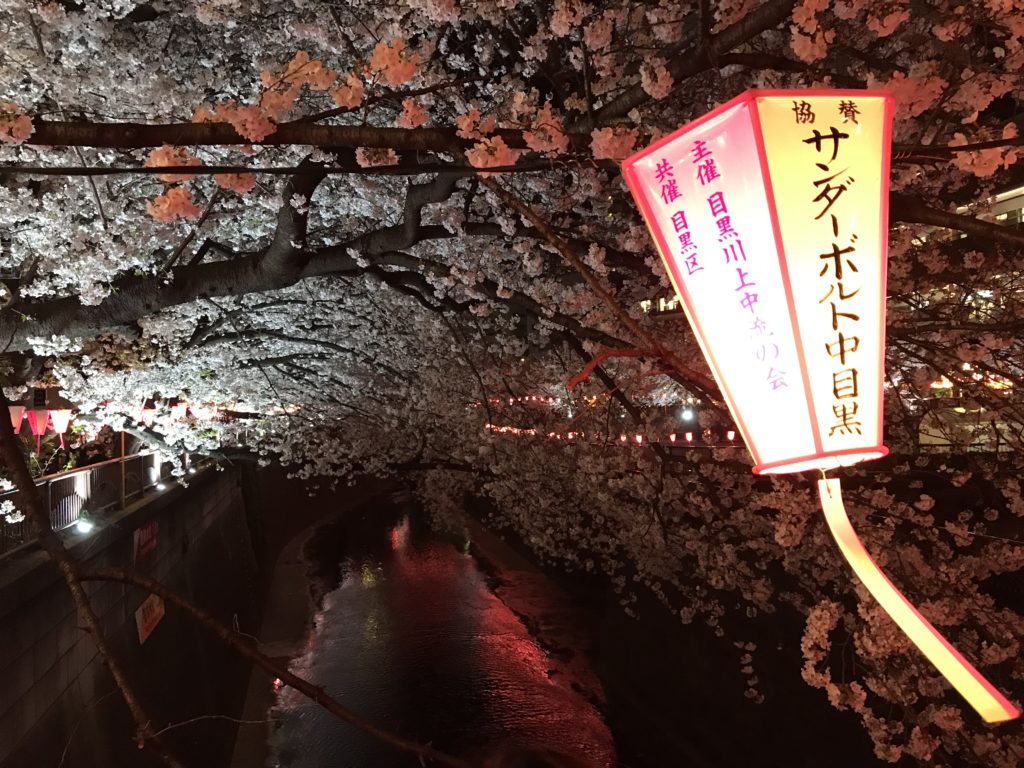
[(771, 216), (59, 420), (689, 437), (17, 413), (202, 412), (37, 418)]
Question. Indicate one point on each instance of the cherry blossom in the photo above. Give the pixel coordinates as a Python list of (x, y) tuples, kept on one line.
[(173, 204), (396, 315)]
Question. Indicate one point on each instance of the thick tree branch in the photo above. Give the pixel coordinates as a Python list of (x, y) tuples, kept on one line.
[(403, 168), (912, 211), (281, 264)]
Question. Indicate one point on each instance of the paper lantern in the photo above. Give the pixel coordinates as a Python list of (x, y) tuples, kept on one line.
[(770, 214), (17, 413), (59, 420), (201, 412), (37, 419)]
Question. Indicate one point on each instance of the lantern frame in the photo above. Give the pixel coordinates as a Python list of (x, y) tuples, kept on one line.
[(822, 458)]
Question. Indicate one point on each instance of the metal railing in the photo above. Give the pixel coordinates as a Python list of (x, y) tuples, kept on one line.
[(108, 484)]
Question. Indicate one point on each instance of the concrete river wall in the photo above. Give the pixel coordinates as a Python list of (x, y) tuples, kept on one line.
[(58, 704)]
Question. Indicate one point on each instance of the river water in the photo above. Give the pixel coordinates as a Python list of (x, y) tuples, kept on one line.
[(419, 640)]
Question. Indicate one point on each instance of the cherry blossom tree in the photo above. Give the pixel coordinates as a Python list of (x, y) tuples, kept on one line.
[(383, 239)]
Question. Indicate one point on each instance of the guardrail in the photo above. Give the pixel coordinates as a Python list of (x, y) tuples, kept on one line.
[(109, 484)]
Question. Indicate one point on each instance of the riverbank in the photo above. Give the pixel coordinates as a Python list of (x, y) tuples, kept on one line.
[(562, 624), (675, 693)]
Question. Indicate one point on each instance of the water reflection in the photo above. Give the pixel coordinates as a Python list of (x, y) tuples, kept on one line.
[(414, 639)]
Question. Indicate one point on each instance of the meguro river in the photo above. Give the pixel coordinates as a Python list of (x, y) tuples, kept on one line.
[(419, 640)]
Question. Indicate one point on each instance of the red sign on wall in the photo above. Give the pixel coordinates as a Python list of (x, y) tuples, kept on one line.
[(144, 541), (148, 615)]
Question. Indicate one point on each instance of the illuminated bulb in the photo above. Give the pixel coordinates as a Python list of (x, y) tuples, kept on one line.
[(639, 439), (731, 435), (689, 437), (622, 438), (160, 486), (672, 437), (84, 525), (191, 470), (687, 414)]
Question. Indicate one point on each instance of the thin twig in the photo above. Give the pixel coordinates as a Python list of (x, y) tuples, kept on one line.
[(697, 378), (192, 233), (198, 718)]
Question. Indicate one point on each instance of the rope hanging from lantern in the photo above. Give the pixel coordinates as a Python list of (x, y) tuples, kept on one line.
[(979, 692)]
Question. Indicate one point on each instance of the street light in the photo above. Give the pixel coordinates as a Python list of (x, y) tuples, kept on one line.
[(85, 523), (771, 216)]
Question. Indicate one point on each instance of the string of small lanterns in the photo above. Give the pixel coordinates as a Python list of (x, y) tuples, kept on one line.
[(674, 439), (542, 399), (39, 419)]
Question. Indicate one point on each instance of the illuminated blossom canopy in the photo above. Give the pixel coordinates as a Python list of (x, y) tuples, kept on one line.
[(385, 226)]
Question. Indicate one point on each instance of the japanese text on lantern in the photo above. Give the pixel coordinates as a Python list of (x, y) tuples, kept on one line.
[(709, 178), (838, 258), (665, 176)]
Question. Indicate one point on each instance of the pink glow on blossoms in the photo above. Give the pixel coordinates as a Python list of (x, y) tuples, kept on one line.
[(492, 153), (171, 156), (394, 62), (349, 95), (249, 121), (547, 134), (656, 80), (236, 182), (613, 143), (887, 19), (472, 126), (175, 203), (15, 126), (413, 115)]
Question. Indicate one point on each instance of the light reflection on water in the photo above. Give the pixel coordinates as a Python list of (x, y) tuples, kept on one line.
[(415, 640)]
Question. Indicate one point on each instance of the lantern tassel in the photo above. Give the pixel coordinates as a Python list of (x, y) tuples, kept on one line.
[(979, 692)]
